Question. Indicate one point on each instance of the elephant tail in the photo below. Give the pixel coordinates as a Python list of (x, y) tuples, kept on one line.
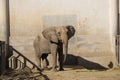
[(36, 44), (36, 41)]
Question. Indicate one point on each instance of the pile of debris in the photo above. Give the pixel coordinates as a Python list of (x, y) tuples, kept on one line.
[(23, 74)]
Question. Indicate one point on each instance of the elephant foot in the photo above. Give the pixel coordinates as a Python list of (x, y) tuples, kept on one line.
[(61, 69)]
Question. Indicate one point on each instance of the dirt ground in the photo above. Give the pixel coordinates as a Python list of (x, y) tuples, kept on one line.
[(84, 74), (69, 73)]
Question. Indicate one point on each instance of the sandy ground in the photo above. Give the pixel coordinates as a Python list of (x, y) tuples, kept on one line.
[(71, 73), (84, 74)]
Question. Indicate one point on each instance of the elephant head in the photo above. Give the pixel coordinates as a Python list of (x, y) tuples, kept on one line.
[(62, 34)]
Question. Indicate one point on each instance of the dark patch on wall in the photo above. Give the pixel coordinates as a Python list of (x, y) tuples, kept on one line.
[(59, 20)]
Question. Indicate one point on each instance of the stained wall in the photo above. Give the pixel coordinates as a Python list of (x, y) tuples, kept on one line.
[(95, 22)]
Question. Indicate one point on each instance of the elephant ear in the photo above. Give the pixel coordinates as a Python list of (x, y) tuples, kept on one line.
[(71, 31), (50, 35)]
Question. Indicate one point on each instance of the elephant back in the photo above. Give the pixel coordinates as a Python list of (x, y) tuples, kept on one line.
[(41, 44)]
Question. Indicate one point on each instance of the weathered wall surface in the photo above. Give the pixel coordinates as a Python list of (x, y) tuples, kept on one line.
[(94, 38), (2, 20)]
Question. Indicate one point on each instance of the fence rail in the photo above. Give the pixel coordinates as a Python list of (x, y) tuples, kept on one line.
[(17, 63), (13, 61)]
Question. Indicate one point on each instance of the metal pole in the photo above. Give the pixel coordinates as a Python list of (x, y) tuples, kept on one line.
[(118, 29), (118, 8), (118, 35), (7, 31), (6, 22)]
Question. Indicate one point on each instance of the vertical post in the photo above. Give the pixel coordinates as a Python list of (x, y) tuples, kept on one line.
[(113, 24), (118, 36), (118, 29), (6, 33), (118, 33)]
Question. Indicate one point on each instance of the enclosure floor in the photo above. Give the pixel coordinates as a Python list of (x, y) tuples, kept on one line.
[(70, 73), (75, 73)]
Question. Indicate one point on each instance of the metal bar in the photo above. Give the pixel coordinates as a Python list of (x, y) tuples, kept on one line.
[(27, 59), (8, 19), (118, 28), (7, 32), (118, 33), (117, 47), (6, 28), (25, 62)]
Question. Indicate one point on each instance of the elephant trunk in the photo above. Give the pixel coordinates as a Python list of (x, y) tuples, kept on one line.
[(65, 47)]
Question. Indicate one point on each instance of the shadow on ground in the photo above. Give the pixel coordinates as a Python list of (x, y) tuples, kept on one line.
[(84, 63)]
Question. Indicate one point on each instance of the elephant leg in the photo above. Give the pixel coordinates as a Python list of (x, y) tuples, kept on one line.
[(60, 58), (61, 62), (38, 59), (38, 55), (54, 56), (45, 61)]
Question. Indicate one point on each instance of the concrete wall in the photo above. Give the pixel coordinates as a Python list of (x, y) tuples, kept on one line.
[(2, 20), (94, 21)]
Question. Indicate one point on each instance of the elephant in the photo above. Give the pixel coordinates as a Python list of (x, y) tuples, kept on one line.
[(53, 40)]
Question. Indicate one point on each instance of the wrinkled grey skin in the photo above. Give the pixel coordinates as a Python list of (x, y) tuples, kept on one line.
[(53, 40)]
